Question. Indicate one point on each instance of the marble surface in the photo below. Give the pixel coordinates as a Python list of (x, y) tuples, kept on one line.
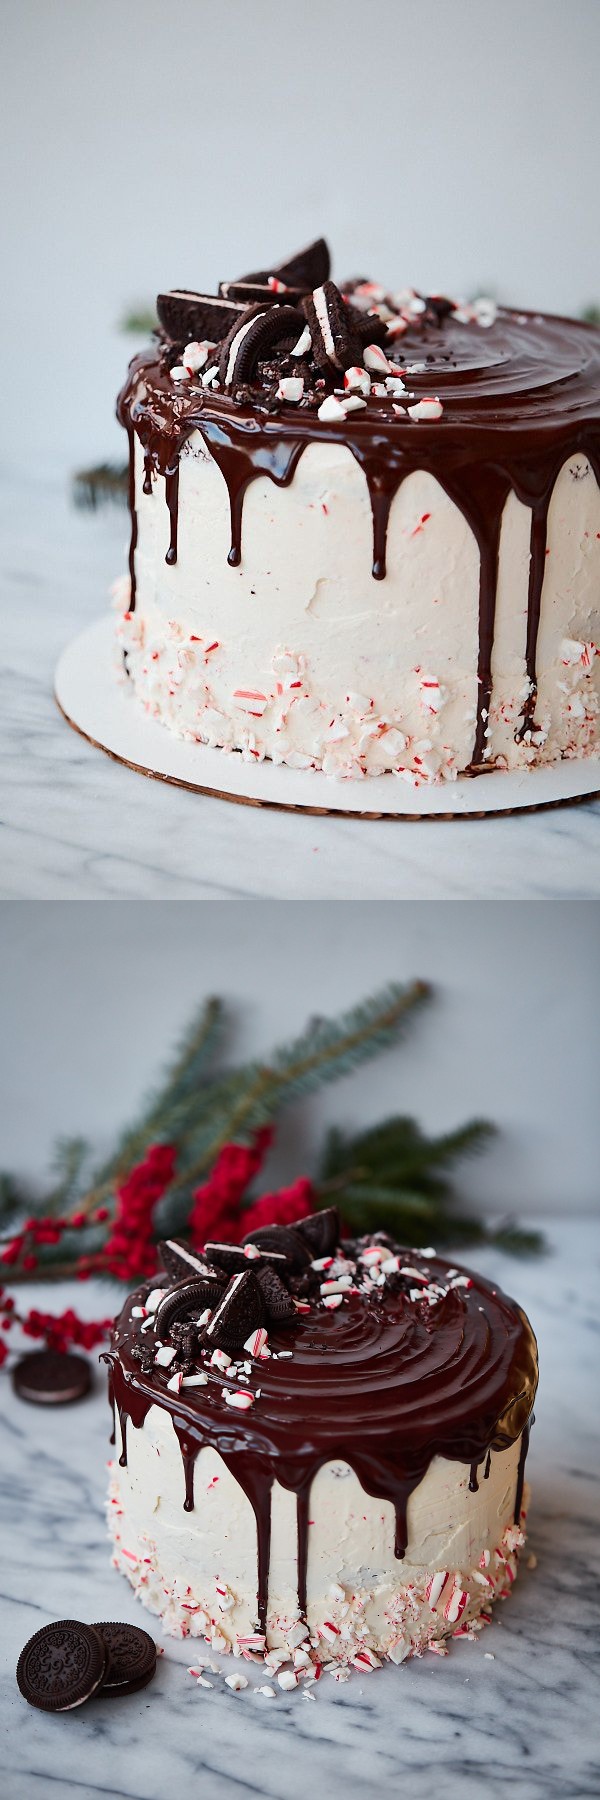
[(524, 1723), (77, 826)]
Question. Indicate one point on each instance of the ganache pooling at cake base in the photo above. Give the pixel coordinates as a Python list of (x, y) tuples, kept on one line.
[(321, 1445), (365, 526)]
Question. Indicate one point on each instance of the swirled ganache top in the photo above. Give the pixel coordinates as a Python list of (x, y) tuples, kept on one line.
[(372, 1354), (486, 399)]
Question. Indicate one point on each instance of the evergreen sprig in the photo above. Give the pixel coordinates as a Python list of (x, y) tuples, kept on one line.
[(391, 1176), (396, 1174)]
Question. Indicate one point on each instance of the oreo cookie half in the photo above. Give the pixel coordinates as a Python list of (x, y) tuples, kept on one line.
[(239, 1313), (335, 340), (260, 292), (279, 1304), (130, 1659), (286, 1241), (321, 1231), (52, 1377), (260, 329), (179, 1260), (61, 1666), (186, 316), (304, 270), (186, 1301)]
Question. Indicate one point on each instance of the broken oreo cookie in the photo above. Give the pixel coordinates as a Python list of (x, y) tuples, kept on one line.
[(321, 1231), (186, 316), (335, 339), (187, 1300), (239, 1313), (284, 1240), (251, 339), (179, 1260), (61, 1666), (304, 270), (278, 1301)]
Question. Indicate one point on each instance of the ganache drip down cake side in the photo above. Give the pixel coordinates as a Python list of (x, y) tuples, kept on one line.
[(320, 1447), (365, 527)]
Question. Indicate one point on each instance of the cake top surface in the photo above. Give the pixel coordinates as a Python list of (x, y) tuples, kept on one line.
[(308, 1346), (310, 357)]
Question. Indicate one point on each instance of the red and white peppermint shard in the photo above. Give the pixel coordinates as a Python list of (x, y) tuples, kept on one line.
[(455, 1606), (238, 1399), (435, 1587), (256, 1342), (375, 358), (357, 381), (430, 407)]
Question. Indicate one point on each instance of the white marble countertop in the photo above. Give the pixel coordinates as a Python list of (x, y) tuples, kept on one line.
[(79, 826), (524, 1724)]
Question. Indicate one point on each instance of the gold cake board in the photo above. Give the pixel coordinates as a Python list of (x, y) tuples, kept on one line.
[(102, 710)]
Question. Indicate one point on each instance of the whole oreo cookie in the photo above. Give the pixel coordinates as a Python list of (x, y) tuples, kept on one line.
[(321, 1231), (278, 1301), (238, 1314), (251, 339), (285, 1240), (186, 316), (335, 340), (52, 1377), (130, 1659), (186, 1301), (61, 1666)]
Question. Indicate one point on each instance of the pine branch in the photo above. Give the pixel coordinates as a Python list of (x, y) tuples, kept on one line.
[(140, 321), (166, 1112), (325, 1051)]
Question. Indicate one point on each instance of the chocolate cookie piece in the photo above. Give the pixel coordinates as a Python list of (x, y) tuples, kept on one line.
[(52, 1377), (130, 1659), (61, 1666), (186, 316), (250, 340), (278, 1301), (232, 1257), (286, 1242), (321, 1231), (260, 292), (335, 340), (179, 1260), (368, 327), (304, 270), (239, 1313), (187, 1301)]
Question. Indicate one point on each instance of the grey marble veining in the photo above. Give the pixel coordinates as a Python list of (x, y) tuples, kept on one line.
[(76, 825), (522, 1725)]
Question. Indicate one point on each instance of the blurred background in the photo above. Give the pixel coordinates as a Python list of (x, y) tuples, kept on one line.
[(151, 145), (95, 997)]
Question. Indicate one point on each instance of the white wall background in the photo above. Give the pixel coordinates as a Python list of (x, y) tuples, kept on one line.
[(94, 996), (448, 143)]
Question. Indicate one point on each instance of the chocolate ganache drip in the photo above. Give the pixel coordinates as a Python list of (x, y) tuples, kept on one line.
[(489, 401), (383, 1359)]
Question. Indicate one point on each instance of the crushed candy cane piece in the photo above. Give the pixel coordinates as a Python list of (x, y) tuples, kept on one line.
[(175, 1382), (375, 358), (220, 1359), (255, 1344), (331, 1301), (331, 409), (287, 1678), (455, 1606), (430, 407), (291, 387), (357, 381), (236, 1682), (199, 1380), (268, 1692), (235, 1397), (435, 1587), (164, 1355)]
